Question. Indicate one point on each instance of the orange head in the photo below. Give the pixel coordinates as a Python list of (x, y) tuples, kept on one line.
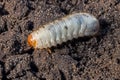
[(30, 41)]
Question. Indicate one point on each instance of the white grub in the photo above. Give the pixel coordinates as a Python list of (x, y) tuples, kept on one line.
[(69, 27)]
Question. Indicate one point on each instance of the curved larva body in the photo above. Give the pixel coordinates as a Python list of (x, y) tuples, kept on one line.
[(67, 28)]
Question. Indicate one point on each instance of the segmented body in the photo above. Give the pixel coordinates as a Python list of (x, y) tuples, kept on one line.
[(62, 30)]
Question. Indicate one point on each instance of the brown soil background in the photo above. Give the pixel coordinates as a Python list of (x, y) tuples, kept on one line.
[(96, 58)]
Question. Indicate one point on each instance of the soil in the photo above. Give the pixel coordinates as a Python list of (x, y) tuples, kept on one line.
[(96, 58)]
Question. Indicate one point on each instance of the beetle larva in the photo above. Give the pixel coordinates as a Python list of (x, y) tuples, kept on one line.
[(67, 28)]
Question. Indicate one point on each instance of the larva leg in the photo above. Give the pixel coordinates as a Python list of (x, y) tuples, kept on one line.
[(49, 50)]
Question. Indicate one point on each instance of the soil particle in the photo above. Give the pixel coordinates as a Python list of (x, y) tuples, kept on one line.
[(3, 27)]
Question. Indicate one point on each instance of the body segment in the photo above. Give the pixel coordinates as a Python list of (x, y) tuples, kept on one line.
[(67, 28)]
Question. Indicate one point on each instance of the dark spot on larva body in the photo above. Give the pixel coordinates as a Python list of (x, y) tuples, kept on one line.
[(66, 27), (43, 26), (85, 15)]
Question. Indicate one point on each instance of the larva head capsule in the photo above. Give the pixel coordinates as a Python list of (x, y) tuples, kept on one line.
[(92, 25), (30, 41)]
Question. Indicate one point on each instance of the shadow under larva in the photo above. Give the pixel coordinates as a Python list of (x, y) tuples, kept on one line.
[(67, 28)]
